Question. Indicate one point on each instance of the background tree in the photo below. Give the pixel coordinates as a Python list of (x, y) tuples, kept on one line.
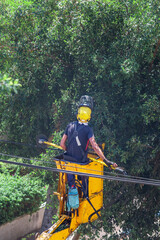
[(60, 50)]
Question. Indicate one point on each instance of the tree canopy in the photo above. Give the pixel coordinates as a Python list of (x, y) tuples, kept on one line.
[(60, 50)]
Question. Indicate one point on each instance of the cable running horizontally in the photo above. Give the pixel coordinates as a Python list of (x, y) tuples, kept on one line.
[(53, 163), (82, 168), (24, 144), (105, 177)]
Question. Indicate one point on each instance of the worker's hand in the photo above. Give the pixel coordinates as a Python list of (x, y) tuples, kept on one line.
[(115, 165), (109, 163)]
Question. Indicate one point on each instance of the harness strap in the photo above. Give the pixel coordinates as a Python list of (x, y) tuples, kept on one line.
[(75, 136)]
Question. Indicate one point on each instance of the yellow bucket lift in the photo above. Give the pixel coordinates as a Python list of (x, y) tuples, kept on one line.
[(89, 207)]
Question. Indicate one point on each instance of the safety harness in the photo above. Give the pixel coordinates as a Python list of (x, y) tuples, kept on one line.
[(73, 137)]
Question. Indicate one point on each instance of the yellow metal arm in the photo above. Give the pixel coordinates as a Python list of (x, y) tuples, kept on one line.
[(99, 161), (53, 145)]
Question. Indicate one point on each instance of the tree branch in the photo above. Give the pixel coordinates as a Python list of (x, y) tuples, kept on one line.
[(154, 54)]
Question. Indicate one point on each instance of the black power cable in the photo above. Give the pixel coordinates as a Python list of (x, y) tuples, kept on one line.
[(18, 143), (121, 178), (38, 146)]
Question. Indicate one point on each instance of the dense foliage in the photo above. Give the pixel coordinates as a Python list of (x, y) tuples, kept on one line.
[(19, 195), (7, 85), (62, 49)]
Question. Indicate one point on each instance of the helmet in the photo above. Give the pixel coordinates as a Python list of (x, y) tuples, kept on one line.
[(85, 108), (84, 114), (86, 101)]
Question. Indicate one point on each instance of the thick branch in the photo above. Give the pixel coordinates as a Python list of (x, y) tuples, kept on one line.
[(154, 54)]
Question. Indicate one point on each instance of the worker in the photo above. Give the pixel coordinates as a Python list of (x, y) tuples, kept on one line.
[(78, 135)]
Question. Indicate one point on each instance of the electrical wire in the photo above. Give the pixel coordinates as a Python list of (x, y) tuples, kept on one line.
[(53, 162), (108, 176), (25, 144), (18, 143), (25, 158), (121, 178), (82, 168)]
